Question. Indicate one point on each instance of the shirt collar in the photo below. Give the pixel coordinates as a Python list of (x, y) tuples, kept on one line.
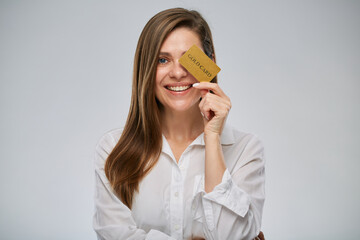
[(227, 135), (166, 147), (227, 138)]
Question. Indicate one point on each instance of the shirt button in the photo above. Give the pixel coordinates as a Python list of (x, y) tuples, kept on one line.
[(177, 227), (176, 194)]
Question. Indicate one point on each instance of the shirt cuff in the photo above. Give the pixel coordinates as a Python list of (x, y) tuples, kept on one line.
[(228, 194)]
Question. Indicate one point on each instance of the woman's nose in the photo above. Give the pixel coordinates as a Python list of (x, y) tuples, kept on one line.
[(177, 71)]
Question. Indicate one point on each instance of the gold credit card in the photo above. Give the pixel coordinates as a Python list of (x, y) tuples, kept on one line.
[(199, 64)]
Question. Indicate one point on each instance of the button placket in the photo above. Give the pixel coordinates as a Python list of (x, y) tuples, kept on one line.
[(179, 172), (176, 203), (183, 166)]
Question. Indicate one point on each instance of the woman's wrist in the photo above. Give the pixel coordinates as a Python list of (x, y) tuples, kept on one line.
[(212, 137)]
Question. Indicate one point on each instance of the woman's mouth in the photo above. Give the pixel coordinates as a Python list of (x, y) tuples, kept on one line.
[(178, 88)]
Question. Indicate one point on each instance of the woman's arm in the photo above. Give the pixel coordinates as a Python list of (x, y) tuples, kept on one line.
[(215, 108), (214, 161), (233, 209), (113, 219), (232, 202)]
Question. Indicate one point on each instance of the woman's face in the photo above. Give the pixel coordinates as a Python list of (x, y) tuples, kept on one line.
[(173, 86)]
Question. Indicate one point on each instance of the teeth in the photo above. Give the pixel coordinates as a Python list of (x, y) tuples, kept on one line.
[(178, 88)]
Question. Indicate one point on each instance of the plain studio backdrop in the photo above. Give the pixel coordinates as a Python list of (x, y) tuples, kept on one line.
[(291, 69)]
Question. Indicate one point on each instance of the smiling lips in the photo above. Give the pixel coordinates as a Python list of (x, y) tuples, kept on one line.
[(178, 88)]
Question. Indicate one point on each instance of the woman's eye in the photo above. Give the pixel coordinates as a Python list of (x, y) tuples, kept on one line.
[(162, 60)]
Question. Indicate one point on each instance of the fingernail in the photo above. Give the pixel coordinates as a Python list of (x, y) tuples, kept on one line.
[(204, 116), (195, 84)]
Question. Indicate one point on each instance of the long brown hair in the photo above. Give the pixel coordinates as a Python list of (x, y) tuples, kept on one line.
[(139, 146)]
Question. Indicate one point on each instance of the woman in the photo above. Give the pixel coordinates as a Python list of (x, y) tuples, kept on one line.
[(176, 170)]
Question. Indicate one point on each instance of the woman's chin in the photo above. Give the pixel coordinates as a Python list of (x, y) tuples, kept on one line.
[(182, 107)]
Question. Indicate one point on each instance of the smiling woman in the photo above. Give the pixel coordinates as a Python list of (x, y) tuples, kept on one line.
[(173, 82), (177, 170)]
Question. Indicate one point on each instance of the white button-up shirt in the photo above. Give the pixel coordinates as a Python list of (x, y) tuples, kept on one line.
[(171, 202)]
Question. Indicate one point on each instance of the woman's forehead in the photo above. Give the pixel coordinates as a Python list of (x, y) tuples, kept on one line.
[(180, 40)]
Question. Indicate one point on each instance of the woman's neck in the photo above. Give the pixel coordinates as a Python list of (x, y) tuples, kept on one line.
[(182, 126)]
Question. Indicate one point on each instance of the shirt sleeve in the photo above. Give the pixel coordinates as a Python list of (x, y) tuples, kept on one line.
[(112, 219), (233, 210)]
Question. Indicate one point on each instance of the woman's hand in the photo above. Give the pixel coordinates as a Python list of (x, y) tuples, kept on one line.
[(214, 107)]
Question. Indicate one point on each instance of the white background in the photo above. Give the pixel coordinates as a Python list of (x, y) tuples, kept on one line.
[(291, 69)]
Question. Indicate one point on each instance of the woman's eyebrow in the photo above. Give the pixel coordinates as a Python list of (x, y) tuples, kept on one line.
[(164, 54), (168, 54)]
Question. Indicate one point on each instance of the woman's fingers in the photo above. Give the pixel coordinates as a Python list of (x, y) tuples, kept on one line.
[(214, 87), (203, 92), (206, 87), (212, 105)]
